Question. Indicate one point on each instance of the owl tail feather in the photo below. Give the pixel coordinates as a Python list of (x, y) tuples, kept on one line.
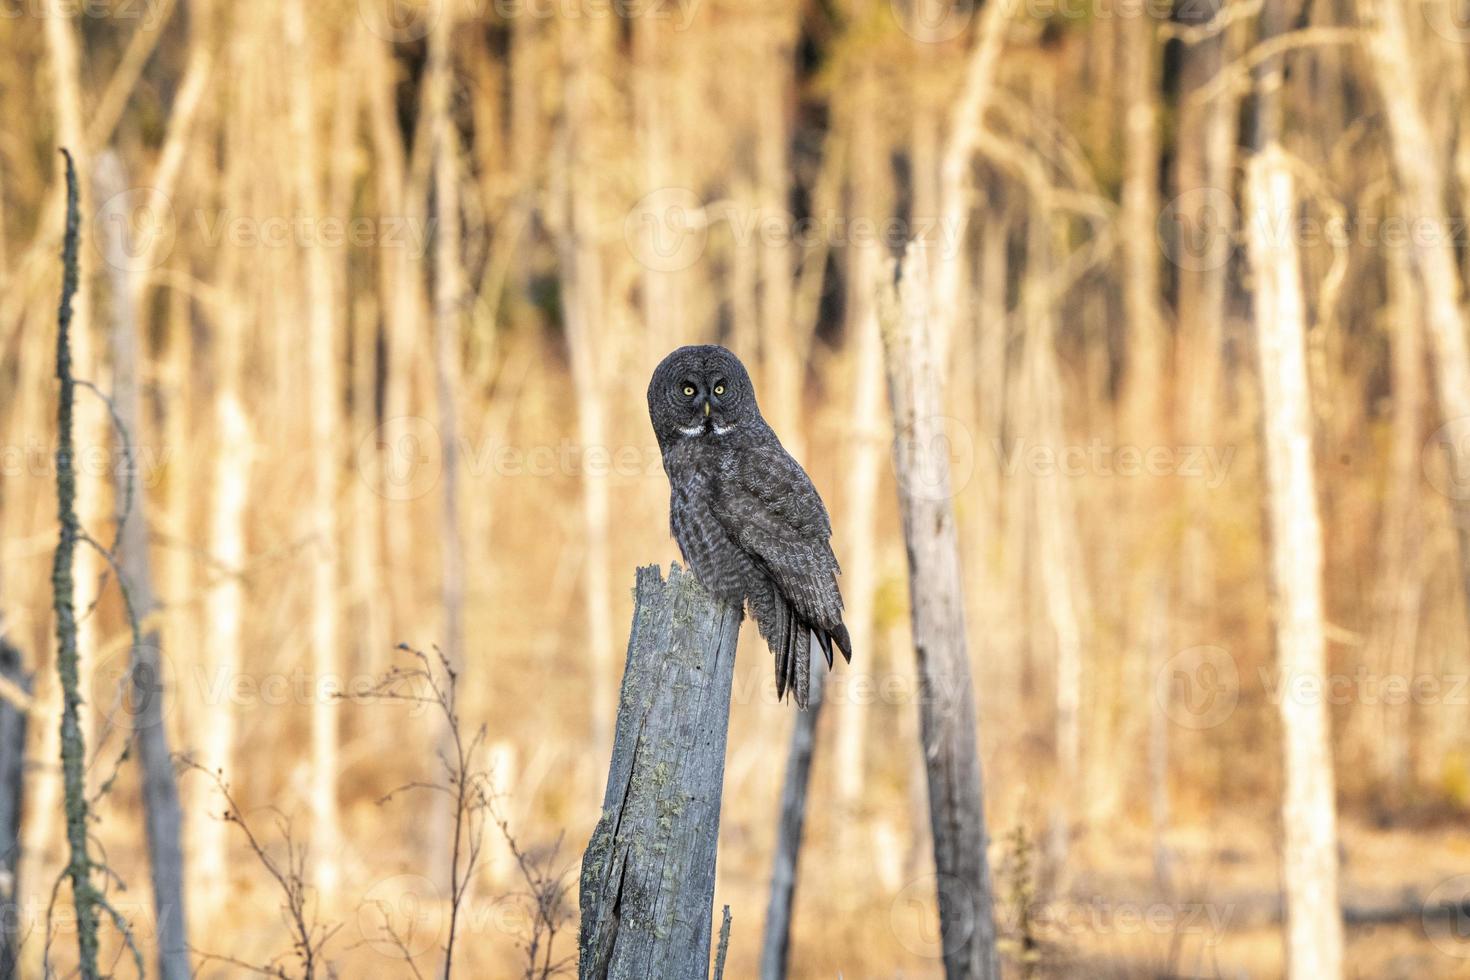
[(825, 639)]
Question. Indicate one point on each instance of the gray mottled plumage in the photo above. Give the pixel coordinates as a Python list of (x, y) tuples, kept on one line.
[(745, 514)]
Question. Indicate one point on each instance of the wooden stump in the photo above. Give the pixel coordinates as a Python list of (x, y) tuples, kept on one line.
[(648, 874)]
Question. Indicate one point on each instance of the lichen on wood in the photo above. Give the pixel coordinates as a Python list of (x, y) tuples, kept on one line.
[(648, 874)]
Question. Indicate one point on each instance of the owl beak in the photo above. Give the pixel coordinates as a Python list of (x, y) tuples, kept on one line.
[(706, 409)]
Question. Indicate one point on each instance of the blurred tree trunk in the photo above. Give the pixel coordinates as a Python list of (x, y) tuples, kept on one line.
[(162, 818), (448, 296), (14, 719), (1143, 421), (1056, 559), (323, 406), (574, 194), (1399, 589), (783, 352), (1309, 857), (665, 321), (967, 119), (1421, 179), (1201, 248), (790, 823), (401, 299), (229, 483), (936, 596), (868, 201)]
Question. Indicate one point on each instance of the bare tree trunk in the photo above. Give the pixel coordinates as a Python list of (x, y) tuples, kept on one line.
[(783, 360), (1201, 250), (229, 484), (1056, 559), (584, 307), (63, 59), (448, 293), (1400, 586), (936, 595), (1421, 178), (13, 722), (966, 122), (868, 202), (790, 822), (323, 406), (162, 817), (1143, 421), (648, 874), (1309, 816)]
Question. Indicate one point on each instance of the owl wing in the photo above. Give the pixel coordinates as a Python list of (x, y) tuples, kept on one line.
[(767, 504)]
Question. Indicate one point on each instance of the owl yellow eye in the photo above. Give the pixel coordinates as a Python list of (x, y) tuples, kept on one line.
[(719, 389), (689, 390)]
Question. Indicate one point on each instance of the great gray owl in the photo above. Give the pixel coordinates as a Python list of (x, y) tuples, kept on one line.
[(745, 514)]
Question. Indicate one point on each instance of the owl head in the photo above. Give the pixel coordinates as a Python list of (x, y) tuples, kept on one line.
[(699, 392)]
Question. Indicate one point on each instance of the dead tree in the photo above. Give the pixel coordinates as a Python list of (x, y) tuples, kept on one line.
[(648, 874), (15, 691), (791, 822), (936, 595), (162, 815)]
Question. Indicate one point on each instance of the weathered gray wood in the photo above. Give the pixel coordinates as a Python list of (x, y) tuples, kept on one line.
[(12, 763), (648, 874), (791, 820), (162, 814), (947, 699)]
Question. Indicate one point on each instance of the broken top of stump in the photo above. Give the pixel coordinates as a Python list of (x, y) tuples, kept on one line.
[(648, 874)]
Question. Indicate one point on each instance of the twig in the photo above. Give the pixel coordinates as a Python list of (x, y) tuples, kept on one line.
[(73, 747), (724, 945), (309, 936)]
